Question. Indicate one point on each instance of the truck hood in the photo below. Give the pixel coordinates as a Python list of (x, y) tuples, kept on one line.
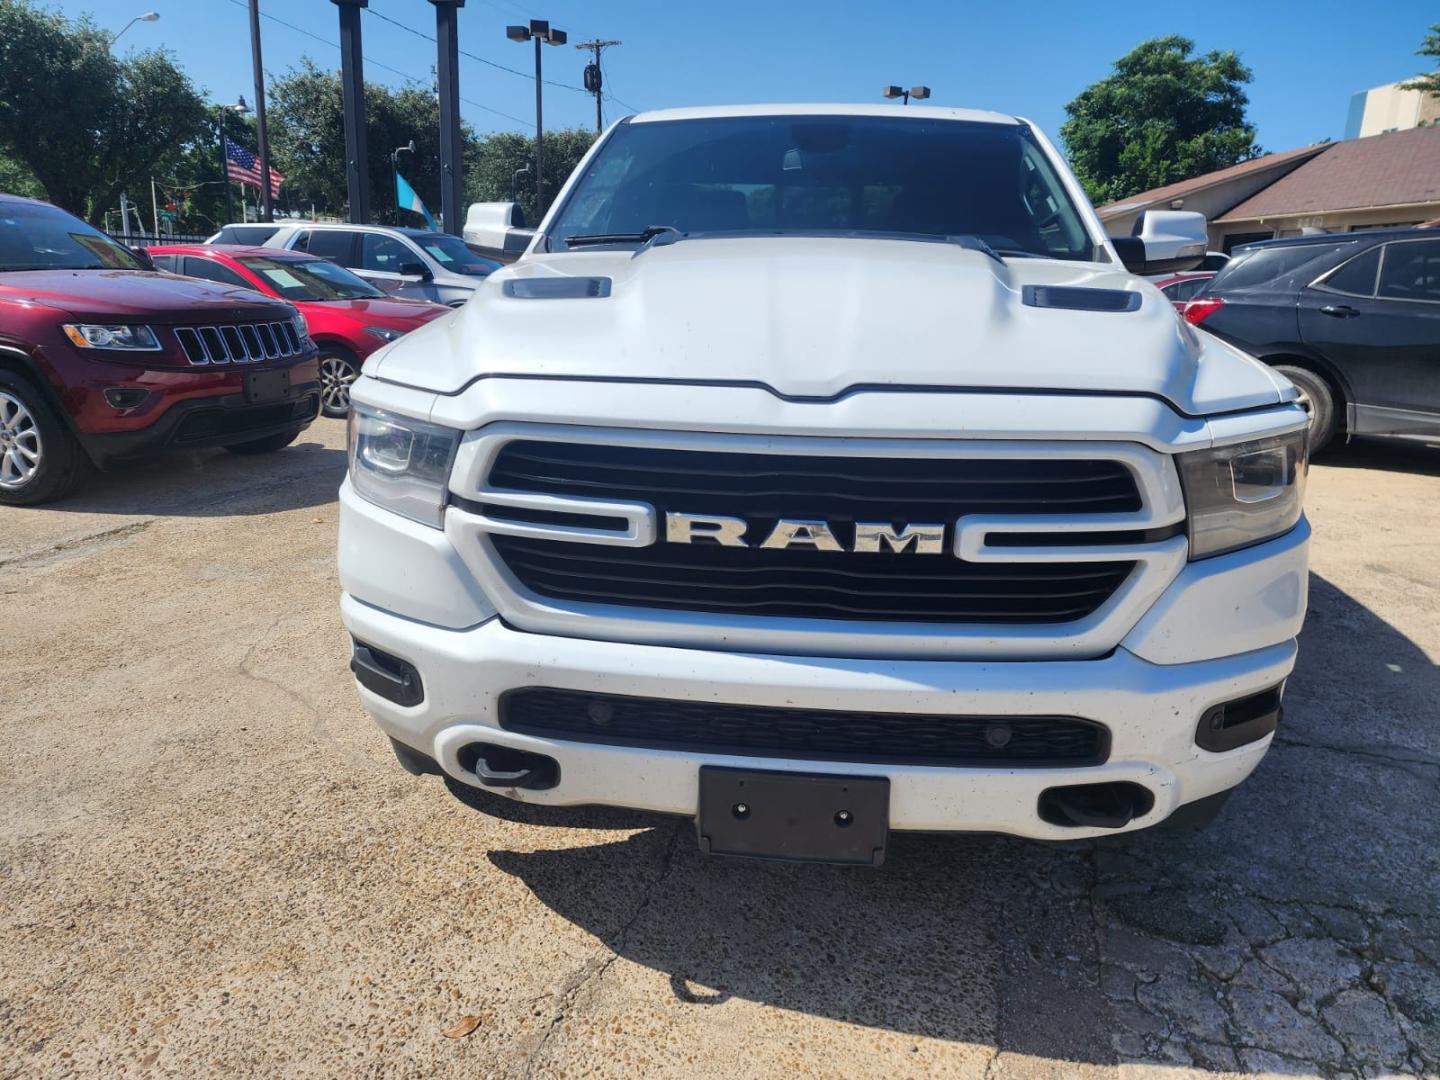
[(817, 317), (139, 294)]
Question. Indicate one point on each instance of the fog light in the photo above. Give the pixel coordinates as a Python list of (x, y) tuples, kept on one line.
[(126, 397)]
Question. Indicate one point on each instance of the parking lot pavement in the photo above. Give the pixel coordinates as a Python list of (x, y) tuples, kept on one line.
[(211, 866)]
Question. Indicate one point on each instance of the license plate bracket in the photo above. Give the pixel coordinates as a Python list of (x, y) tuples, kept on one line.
[(262, 387), (805, 817)]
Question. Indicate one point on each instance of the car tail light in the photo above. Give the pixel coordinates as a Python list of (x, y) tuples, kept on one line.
[(1201, 308)]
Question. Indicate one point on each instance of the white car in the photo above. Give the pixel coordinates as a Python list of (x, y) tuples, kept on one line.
[(820, 471)]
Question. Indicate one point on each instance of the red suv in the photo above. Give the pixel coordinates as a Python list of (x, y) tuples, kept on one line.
[(103, 359), (348, 317)]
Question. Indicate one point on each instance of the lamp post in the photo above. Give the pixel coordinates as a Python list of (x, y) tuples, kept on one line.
[(919, 93), (241, 108), (452, 166), (149, 16), (262, 135), (408, 148), (540, 32)]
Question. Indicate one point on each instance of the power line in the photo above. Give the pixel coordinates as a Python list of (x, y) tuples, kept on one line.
[(375, 63), (473, 56)]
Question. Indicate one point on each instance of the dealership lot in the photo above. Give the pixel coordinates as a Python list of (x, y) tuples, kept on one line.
[(212, 865)]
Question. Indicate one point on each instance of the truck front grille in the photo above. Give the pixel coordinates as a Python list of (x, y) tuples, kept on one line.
[(242, 343), (807, 734), (799, 582)]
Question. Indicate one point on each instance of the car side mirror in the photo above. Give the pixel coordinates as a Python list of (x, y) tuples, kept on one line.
[(416, 270), (146, 262), (1163, 242)]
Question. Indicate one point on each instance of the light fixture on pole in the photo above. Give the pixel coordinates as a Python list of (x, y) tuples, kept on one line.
[(149, 16), (919, 93), (540, 32), (241, 108), (408, 148)]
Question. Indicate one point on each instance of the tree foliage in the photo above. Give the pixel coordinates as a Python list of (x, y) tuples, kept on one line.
[(1429, 84), (1162, 116), (499, 157), (84, 124)]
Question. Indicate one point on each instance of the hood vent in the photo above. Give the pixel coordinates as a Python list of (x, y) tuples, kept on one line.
[(557, 288), (1076, 298)]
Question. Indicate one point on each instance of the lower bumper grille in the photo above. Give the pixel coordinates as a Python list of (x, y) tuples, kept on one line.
[(213, 423), (808, 734)]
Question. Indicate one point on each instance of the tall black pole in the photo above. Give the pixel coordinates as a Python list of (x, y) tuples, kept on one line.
[(352, 84), (539, 141), (452, 164), (261, 134), (225, 167)]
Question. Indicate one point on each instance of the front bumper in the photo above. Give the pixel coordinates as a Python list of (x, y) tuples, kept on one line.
[(1150, 709)]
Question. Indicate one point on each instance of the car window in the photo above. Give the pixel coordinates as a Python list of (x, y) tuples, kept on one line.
[(1262, 265), (1356, 277), (827, 175), (1184, 290), (312, 280), (451, 253), (333, 244), (165, 262), (1411, 271), (37, 236), (384, 253), (211, 270), (246, 234), (1214, 260)]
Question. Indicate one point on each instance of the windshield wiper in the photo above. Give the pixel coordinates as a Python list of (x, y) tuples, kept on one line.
[(650, 236), (974, 243)]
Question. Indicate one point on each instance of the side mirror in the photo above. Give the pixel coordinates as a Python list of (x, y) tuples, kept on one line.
[(146, 262), (416, 270), (1163, 242)]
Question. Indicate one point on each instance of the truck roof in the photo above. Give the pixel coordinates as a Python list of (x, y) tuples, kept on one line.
[(907, 112)]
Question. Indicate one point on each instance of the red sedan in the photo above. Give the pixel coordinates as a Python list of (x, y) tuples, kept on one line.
[(348, 317), (1179, 288)]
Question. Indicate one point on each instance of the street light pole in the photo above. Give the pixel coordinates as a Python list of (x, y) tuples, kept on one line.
[(919, 93), (149, 16), (452, 165), (539, 31), (261, 134), (352, 84)]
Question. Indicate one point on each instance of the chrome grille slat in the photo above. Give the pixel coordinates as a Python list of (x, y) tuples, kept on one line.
[(214, 345), (268, 341), (238, 343)]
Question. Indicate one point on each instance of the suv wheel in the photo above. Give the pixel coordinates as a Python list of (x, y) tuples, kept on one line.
[(1317, 399), (338, 369), (39, 458)]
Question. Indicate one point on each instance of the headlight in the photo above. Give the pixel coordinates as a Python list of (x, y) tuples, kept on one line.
[(103, 336), (384, 333), (1243, 494), (301, 326), (400, 463)]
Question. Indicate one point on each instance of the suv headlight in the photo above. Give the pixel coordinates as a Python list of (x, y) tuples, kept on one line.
[(384, 333), (106, 336), (400, 463), (1243, 494)]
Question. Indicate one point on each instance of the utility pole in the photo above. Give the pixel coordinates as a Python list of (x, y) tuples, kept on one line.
[(261, 134), (452, 168), (593, 80), (352, 87)]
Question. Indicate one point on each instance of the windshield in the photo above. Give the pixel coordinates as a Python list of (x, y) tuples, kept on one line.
[(38, 237), (451, 253), (309, 279), (827, 175)]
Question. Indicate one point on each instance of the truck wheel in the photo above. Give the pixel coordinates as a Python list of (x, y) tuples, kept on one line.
[(338, 369), (267, 445), (39, 458), (1317, 399)]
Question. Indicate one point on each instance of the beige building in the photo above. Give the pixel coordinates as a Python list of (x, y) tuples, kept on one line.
[(1389, 108), (1392, 179)]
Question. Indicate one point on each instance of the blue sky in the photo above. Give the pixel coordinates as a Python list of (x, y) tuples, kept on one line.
[(1028, 59)]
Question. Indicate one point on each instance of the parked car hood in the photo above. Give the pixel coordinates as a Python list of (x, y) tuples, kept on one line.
[(816, 317), (378, 310), (139, 294)]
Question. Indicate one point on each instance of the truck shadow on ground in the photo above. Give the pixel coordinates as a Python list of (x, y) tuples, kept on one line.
[(213, 483), (1419, 456), (1298, 934)]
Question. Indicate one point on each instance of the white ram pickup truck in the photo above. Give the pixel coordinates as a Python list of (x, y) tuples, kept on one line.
[(820, 471)]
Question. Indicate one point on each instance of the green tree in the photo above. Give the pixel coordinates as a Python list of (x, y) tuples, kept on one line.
[(1429, 84), (307, 138), (500, 156), (1164, 115), (85, 124)]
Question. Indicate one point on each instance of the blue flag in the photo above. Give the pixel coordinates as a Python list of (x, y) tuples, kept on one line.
[(406, 198)]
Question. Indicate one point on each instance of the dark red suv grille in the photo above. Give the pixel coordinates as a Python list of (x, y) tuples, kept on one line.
[(244, 343)]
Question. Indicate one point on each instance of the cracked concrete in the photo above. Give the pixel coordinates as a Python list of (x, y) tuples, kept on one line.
[(210, 866)]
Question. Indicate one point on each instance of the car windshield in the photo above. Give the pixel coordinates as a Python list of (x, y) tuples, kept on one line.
[(38, 237), (451, 253), (314, 280), (908, 177)]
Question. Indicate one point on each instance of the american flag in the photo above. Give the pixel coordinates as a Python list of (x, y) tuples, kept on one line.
[(244, 167)]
